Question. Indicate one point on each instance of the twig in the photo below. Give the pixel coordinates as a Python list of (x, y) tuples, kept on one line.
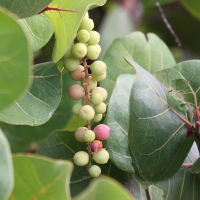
[(157, 4), (148, 193), (187, 165)]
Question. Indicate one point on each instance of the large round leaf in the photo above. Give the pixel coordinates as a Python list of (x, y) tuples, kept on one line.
[(15, 59), (41, 101)]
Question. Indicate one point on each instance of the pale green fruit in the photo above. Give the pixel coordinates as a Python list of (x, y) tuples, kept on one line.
[(79, 133), (97, 118), (101, 157), (76, 108), (86, 16), (77, 74), (86, 113), (100, 109), (98, 68), (96, 98), (76, 92), (98, 46), (69, 50), (81, 158), (79, 50), (94, 171), (83, 36), (84, 102), (101, 91), (89, 136), (87, 24), (94, 38), (92, 83), (99, 78), (92, 52), (71, 63)]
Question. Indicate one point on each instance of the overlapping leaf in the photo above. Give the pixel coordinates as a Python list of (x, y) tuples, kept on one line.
[(152, 54), (66, 23), (25, 8), (40, 29), (40, 102), (157, 136), (41, 178), (196, 166), (6, 173), (15, 59)]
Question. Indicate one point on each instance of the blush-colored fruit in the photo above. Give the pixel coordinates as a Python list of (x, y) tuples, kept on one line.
[(76, 92), (102, 132), (79, 133)]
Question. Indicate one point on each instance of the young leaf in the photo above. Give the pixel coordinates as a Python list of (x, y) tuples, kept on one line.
[(41, 101), (40, 29), (25, 8), (157, 136), (38, 177), (15, 60), (117, 119), (151, 53), (66, 23), (6, 174)]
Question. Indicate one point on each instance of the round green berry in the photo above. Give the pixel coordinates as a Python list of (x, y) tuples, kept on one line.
[(81, 158), (96, 98), (92, 52), (94, 38), (89, 136), (83, 36), (69, 50), (77, 74), (76, 108), (97, 118), (101, 91), (99, 78), (87, 24), (94, 171), (76, 92), (79, 133), (98, 46), (86, 113), (71, 63), (100, 109), (92, 83), (79, 50), (101, 157), (86, 16), (98, 68)]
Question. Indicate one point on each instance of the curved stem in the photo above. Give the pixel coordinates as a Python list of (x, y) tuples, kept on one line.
[(148, 193)]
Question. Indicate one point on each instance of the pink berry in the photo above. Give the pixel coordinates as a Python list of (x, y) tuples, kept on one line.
[(97, 146), (102, 132)]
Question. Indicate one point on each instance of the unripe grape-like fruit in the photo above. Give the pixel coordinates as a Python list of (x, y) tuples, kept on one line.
[(92, 52), (100, 109), (84, 102), (94, 171), (97, 118), (96, 98), (69, 50), (94, 38), (89, 136), (76, 108), (83, 36), (102, 132), (77, 74), (79, 50), (71, 63), (81, 158), (99, 78), (86, 113), (76, 92), (79, 133), (98, 46), (92, 83), (98, 68), (101, 157), (86, 16), (101, 91), (87, 24)]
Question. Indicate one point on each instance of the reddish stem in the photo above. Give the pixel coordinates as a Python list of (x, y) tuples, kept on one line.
[(187, 165), (57, 9)]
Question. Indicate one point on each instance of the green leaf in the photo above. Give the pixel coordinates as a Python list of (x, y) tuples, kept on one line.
[(192, 6), (25, 8), (196, 166), (15, 60), (117, 118), (37, 177), (161, 76), (184, 185), (18, 138), (157, 136), (66, 23), (40, 102), (151, 53), (104, 188), (6, 174), (40, 29), (152, 3)]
